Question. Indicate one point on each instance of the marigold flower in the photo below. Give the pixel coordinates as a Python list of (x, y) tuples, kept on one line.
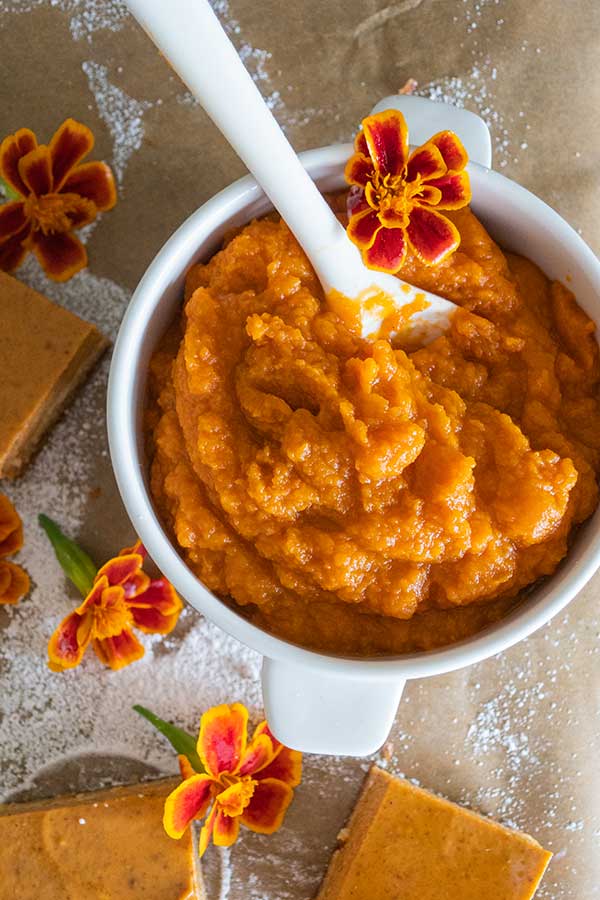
[(14, 581), (11, 528), (57, 194), (394, 196), (122, 597), (242, 783)]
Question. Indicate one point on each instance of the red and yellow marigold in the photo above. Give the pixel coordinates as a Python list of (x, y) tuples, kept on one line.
[(56, 193), (244, 783), (122, 598), (395, 197), (14, 581)]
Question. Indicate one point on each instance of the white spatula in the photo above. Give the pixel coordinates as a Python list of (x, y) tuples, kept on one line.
[(189, 35)]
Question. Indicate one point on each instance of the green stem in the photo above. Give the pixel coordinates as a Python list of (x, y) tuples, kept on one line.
[(182, 742), (7, 192), (75, 562)]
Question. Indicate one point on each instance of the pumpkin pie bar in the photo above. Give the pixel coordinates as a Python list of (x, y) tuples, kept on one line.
[(45, 353), (108, 845), (403, 843)]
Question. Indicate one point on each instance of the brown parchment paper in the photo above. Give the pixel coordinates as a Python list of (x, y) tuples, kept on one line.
[(516, 737)]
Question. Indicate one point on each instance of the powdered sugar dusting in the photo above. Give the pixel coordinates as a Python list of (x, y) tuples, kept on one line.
[(87, 16), (122, 114), (91, 16), (475, 88)]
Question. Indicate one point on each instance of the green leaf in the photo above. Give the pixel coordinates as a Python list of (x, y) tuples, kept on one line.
[(7, 192), (75, 562), (180, 740)]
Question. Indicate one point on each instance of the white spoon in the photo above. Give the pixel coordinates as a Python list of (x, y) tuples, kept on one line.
[(190, 36)]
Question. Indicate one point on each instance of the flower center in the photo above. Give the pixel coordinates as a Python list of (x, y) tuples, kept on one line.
[(111, 614), (393, 192), (236, 795), (53, 213)]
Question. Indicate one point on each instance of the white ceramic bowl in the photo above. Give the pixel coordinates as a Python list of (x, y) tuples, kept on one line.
[(317, 702)]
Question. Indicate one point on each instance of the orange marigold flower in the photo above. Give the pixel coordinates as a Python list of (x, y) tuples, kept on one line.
[(243, 783), (14, 582), (122, 597), (58, 193), (11, 528), (394, 196)]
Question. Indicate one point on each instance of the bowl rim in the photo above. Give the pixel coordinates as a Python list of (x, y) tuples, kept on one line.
[(168, 265)]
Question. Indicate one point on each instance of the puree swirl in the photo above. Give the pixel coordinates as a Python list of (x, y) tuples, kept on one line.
[(350, 496)]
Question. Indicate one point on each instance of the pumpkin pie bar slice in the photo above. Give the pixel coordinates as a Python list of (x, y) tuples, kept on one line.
[(403, 843), (108, 845), (45, 353)]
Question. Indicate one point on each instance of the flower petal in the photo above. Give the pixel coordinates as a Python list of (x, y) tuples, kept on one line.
[(286, 767), (119, 651), (360, 143), (153, 621), (14, 250), (185, 767), (259, 753), (95, 595), (120, 569), (95, 181), (138, 548), (65, 651), (157, 609), (222, 738), (359, 170), (455, 190), (60, 255), (160, 594), (206, 831), (263, 728), (12, 219), (392, 218), (70, 143), (81, 211), (386, 135), (12, 149), (187, 802), (356, 202), (426, 162), (363, 228), (387, 252), (14, 582), (450, 146), (137, 585), (225, 830), (432, 236), (36, 171), (267, 808), (428, 195), (11, 528)]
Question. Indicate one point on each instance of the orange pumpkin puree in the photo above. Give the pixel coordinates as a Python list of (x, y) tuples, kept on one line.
[(353, 498)]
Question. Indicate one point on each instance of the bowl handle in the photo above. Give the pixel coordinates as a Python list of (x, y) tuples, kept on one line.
[(426, 117), (317, 712)]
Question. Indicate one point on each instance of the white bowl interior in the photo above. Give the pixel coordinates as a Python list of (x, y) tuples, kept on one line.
[(516, 219)]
